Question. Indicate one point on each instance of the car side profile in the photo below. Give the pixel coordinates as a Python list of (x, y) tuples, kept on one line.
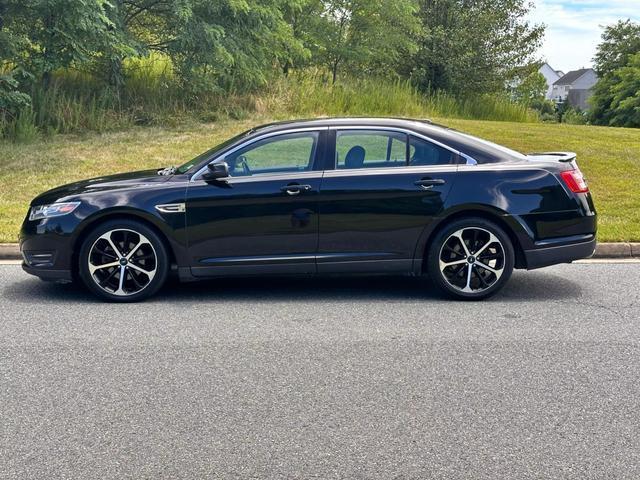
[(326, 196)]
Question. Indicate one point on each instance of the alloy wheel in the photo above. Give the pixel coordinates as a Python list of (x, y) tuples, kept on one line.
[(122, 262), (472, 260)]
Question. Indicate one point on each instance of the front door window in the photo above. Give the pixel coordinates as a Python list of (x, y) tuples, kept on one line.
[(293, 152)]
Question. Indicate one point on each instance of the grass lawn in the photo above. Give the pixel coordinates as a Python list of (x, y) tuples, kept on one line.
[(610, 159)]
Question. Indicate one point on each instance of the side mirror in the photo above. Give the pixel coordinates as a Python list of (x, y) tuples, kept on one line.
[(216, 171)]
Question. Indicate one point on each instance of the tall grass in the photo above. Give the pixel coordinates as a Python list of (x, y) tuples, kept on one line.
[(307, 95), (152, 95)]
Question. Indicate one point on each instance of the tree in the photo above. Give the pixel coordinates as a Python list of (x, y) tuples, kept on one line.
[(619, 42), (626, 95), (212, 43), (531, 89), (366, 36), (11, 99), (473, 46), (56, 33), (616, 97)]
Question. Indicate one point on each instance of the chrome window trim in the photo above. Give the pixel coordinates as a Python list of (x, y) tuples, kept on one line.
[(407, 132), (293, 175), (246, 143), (469, 160), (347, 172)]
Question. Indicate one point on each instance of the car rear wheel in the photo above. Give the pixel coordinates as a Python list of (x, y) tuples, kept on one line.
[(123, 261), (470, 259)]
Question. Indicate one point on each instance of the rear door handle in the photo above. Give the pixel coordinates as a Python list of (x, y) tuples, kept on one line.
[(429, 182), (295, 189)]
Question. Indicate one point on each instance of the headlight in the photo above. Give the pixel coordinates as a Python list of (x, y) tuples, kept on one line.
[(53, 210)]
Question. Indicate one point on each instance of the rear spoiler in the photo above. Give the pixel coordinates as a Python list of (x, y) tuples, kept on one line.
[(564, 157)]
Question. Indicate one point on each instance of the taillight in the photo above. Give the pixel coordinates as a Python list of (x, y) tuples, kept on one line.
[(575, 181)]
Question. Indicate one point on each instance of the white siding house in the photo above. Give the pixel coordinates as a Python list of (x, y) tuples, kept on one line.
[(551, 76), (575, 87)]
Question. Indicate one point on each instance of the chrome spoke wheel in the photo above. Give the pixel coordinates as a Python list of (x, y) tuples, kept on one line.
[(122, 262), (472, 260)]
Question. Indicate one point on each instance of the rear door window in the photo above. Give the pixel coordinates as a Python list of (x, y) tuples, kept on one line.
[(382, 149), (370, 149)]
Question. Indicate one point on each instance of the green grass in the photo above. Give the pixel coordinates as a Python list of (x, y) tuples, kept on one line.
[(609, 157)]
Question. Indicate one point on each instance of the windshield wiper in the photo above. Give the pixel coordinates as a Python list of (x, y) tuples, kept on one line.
[(168, 171)]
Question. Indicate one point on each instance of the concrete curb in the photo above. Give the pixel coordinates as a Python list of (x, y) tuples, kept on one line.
[(11, 251)]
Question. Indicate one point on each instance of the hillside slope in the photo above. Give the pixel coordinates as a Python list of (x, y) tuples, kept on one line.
[(610, 159)]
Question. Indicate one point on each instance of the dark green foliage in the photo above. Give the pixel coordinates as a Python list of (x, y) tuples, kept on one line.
[(619, 42), (363, 36), (11, 100), (53, 34), (74, 65), (616, 97), (473, 46), (222, 44)]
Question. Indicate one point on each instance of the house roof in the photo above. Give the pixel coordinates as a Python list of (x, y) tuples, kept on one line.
[(571, 77)]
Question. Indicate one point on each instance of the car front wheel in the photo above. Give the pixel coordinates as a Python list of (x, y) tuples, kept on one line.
[(470, 259), (123, 261)]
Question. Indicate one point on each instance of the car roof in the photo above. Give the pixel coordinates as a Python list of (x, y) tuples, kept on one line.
[(480, 150), (346, 121)]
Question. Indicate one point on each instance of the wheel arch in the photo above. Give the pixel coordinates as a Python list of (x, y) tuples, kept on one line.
[(93, 221), (512, 227)]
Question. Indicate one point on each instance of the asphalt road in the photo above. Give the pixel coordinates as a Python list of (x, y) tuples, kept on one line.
[(331, 378)]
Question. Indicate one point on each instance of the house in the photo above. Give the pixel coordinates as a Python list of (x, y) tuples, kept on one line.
[(575, 87), (551, 76)]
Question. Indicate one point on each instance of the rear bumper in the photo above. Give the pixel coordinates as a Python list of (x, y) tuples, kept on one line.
[(562, 250)]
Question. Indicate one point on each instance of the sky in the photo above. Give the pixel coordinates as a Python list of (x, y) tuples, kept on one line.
[(574, 28)]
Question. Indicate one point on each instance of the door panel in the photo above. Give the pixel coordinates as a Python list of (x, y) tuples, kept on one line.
[(253, 222), (370, 217), (264, 217), (372, 220)]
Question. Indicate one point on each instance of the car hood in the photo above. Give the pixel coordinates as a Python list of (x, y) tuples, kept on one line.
[(109, 182)]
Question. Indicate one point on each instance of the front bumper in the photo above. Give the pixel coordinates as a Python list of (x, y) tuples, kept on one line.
[(48, 274), (46, 248), (562, 250)]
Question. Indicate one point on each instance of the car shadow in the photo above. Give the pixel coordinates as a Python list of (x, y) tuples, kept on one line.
[(536, 286)]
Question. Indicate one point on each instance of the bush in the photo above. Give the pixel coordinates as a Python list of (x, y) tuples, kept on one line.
[(549, 118), (543, 107), (574, 116)]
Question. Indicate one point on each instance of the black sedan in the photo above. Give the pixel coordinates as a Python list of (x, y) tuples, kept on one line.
[(329, 196)]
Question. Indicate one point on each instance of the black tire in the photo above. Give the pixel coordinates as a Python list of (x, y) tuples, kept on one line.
[(145, 272), (455, 280)]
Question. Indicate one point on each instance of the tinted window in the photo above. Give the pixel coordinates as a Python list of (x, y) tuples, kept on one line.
[(370, 149), (293, 152), (482, 150), (422, 152)]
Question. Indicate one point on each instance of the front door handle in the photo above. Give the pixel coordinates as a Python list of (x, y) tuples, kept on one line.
[(429, 182), (295, 189)]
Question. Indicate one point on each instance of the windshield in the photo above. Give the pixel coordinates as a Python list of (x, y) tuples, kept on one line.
[(211, 152)]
